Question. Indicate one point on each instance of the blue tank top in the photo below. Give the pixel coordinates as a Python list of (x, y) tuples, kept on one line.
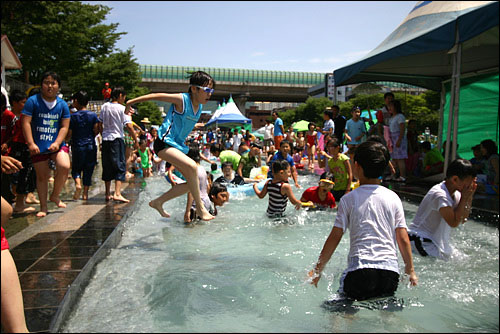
[(177, 125)]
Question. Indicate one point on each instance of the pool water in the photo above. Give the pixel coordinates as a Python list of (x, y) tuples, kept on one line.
[(244, 272)]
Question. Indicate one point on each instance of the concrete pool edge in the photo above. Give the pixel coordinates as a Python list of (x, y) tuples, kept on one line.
[(77, 287)]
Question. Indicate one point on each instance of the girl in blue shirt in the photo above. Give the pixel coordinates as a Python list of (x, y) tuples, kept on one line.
[(45, 122), (180, 120)]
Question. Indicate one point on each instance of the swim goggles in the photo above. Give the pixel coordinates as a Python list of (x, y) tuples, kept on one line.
[(205, 89)]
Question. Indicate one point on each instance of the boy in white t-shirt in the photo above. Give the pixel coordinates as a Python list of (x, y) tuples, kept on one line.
[(445, 206), (375, 218)]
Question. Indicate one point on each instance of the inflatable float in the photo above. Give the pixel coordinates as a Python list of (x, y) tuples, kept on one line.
[(257, 173)]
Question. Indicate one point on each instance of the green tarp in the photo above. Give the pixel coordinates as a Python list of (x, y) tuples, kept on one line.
[(477, 113)]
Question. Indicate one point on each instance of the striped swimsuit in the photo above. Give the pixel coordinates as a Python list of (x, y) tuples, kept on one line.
[(277, 201)]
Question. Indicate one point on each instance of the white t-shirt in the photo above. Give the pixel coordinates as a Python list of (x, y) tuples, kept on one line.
[(394, 122), (268, 131), (237, 141), (113, 120), (329, 124), (371, 213), (428, 222)]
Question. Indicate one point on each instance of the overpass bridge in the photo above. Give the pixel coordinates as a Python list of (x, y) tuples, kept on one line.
[(244, 85)]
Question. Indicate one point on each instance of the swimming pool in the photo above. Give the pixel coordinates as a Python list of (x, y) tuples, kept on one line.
[(244, 272)]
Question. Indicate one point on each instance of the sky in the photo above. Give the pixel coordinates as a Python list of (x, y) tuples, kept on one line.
[(302, 36)]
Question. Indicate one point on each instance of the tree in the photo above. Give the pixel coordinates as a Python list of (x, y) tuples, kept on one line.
[(62, 36), (119, 69), (145, 109)]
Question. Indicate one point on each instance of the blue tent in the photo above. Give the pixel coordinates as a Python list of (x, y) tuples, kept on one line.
[(419, 52), (438, 41)]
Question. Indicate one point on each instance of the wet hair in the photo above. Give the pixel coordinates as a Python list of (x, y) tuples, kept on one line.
[(215, 148), (54, 76), (280, 165), (16, 95), (373, 157), (490, 146), (115, 93), (333, 142), (461, 168), (81, 97), (256, 145), (336, 107), (225, 164), (200, 78), (213, 167), (194, 152), (327, 176), (215, 189)]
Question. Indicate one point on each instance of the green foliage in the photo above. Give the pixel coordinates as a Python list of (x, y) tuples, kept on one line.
[(312, 111), (62, 36), (423, 108), (119, 69), (145, 109)]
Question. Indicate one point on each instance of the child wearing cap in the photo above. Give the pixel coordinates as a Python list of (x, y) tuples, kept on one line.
[(320, 196)]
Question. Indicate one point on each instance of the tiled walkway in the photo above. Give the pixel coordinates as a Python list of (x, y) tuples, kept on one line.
[(49, 262)]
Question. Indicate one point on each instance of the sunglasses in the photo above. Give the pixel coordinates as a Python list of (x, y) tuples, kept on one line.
[(206, 89)]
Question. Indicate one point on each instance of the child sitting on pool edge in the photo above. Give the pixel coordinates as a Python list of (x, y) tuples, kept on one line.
[(320, 196), (279, 190), (375, 218)]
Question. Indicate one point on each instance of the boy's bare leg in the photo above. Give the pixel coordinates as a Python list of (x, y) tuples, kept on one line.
[(118, 195), (62, 171), (78, 188), (85, 195), (42, 171), (189, 169)]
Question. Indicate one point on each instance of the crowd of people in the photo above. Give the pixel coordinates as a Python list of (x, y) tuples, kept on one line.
[(43, 135)]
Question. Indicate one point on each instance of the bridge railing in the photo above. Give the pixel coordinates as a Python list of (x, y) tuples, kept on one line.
[(181, 73)]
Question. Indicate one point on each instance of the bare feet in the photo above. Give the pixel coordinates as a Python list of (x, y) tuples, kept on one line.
[(120, 198), (58, 202), (76, 195), (108, 197), (31, 199), (204, 215), (85, 196), (41, 213), (159, 208), (24, 210)]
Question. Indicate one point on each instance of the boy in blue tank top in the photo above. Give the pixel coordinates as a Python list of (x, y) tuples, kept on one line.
[(182, 117)]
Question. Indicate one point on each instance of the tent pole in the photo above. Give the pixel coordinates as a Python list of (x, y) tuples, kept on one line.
[(441, 117), (453, 51), (456, 104), (450, 116)]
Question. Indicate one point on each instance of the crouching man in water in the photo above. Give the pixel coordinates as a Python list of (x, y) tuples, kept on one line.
[(446, 205)]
